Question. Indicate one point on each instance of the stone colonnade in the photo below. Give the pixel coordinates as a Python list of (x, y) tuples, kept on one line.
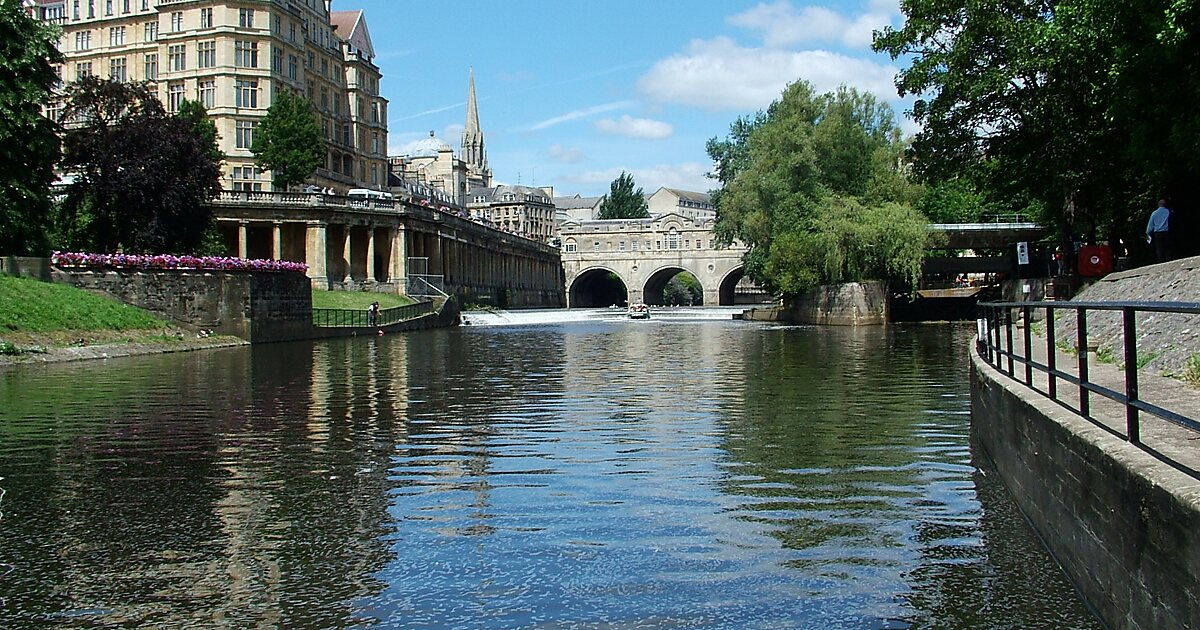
[(384, 248)]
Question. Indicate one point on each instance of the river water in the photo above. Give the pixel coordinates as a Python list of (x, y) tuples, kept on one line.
[(673, 473)]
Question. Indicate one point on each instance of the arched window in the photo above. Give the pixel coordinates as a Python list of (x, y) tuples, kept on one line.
[(672, 239)]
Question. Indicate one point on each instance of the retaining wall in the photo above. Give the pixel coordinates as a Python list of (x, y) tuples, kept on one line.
[(1124, 526), (850, 304), (254, 305)]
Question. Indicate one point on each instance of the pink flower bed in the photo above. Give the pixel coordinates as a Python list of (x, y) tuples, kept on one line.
[(167, 261)]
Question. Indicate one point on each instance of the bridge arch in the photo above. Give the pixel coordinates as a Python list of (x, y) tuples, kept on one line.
[(597, 286), (656, 283)]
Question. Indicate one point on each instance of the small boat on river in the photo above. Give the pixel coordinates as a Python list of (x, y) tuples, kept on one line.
[(639, 311)]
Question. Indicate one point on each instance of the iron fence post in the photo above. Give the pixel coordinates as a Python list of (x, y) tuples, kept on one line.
[(1051, 359), (1025, 314), (1008, 338), (1131, 376), (1081, 352)]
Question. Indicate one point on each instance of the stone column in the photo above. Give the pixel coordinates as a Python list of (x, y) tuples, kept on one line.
[(348, 269), (399, 258), (277, 245), (243, 236), (370, 270), (315, 254)]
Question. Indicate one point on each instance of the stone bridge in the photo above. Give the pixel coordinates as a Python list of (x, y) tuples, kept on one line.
[(644, 254), (409, 245)]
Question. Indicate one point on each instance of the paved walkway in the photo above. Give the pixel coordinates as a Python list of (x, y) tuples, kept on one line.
[(1174, 444)]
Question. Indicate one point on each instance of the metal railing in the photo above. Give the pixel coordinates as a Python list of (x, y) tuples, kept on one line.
[(360, 318), (996, 345)]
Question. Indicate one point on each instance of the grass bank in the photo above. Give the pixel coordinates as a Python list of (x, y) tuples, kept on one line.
[(358, 300), (37, 317)]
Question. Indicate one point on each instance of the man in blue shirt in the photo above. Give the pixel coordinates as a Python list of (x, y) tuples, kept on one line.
[(1157, 231)]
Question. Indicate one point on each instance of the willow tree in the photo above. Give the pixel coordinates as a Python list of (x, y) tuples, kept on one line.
[(816, 188)]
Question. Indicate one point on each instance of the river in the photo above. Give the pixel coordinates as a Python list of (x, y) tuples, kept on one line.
[(688, 471)]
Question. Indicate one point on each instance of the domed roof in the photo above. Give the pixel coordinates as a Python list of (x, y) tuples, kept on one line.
[(428, 147)]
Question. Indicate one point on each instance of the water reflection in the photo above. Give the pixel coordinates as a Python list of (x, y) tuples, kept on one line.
[(596, 474)]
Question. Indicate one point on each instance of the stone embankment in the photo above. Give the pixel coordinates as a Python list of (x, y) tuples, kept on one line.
[(1122, 518), (1166, 342)]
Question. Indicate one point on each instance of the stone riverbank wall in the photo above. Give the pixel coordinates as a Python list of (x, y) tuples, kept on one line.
[(257, 306), (849, 304), (1124, 525)]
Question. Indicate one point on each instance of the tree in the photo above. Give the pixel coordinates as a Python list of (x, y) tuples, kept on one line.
[(816, 189), (1079, 107), (623, 202), (29, 145), (143, 177), (288, 140)]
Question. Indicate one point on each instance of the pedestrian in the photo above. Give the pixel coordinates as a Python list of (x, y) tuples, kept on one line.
[(1158, 231), (372, 313)]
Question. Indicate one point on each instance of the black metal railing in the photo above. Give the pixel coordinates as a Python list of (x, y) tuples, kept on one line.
[(350, 318), (995, 344)]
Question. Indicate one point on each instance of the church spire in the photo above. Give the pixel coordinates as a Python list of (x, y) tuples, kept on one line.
[(473, 153)]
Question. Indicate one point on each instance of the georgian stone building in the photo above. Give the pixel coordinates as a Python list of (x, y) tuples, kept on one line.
[(234, 57), (518, 209)]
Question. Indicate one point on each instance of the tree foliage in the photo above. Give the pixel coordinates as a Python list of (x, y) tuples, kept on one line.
[(1082, 107), (816, 188), (623, 201), (142, 177), (288, 140), (29, 145)]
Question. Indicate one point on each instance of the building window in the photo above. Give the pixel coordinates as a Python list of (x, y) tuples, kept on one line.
[(570, 246), (75, 10), (621, 246), (54, 111), (244, 133), (206, 54), (247, 178), (245, 54), (83, 70), (124, 6), (83, 40), (177, 57), (276, 60), (375, 143), (374, 112), (596, 246), (292, 67), (108, 7), (672, 239), (151, 31), (324, 98), (633, 245), (177, 21), (292, 33), (246, 18), (206, 18), (246, 94), (145, 5), (174, 97), (207, 91), (151, 67), (374, 174), (116, 36), (91, 9), (116, 69)]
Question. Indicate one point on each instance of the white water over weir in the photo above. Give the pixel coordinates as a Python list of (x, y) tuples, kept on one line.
[(558, 315)]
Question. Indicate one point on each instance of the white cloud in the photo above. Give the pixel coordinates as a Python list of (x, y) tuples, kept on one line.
[(630, 127), (578, 113), (783, 25), (564, 155), (719, 74), (685, 176)]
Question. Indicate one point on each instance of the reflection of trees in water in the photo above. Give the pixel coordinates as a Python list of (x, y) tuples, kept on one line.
[(215, 487), (851, 443)]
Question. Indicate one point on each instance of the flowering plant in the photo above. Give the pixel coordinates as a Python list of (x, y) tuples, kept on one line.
[(168, 261)]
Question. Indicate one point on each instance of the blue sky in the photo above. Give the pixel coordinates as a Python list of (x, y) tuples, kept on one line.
[(572, 92)]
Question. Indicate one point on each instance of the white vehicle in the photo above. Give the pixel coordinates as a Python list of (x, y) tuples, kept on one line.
[(367, 193)]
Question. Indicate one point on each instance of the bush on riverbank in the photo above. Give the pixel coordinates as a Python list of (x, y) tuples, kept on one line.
[(358, 300)]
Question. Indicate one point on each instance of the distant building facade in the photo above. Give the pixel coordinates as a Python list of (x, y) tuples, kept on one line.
[(518, 209), (685, 203), (576, 208), (233, 57)]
